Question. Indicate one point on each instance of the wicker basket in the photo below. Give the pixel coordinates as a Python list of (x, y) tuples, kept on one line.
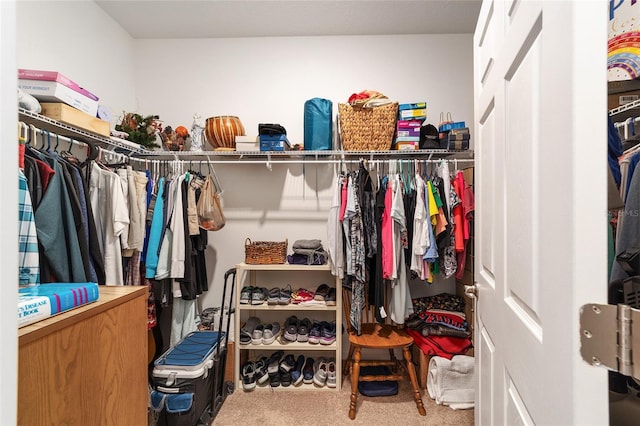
[(265, 252), (367, 129)]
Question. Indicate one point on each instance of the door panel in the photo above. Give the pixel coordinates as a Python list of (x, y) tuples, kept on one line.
[(531, 121)]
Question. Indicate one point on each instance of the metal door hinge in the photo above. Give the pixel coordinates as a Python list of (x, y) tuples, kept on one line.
[(606, 337)]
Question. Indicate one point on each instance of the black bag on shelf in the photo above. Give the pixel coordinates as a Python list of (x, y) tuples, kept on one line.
[(270, 129)]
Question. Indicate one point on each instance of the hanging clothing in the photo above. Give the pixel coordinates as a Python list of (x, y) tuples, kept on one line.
[(335, 233), (153, 246), (400, 306), (28, 256)]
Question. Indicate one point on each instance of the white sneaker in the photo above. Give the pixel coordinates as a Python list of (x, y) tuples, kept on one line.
[(320, 376), (331, 374)]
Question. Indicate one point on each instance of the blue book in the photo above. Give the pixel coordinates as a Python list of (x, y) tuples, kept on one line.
[(415, 105), (38, 302)]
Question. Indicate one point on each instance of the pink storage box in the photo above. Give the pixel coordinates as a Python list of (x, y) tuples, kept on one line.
[(24, 74)]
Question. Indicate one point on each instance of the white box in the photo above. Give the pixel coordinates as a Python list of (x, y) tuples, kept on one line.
[(52, 91), (247, 143)]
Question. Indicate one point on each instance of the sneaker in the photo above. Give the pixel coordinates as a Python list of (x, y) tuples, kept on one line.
[(301, 295), (273, 363), (307, 371), (330, 300), (296, 373), (256, 336), (248, 376), (274, 296), (274, 379), (258, 295), (246, 332), (261, 373), (245, 295), (320, 374), (331, 374), (303, 330), (321, 292), (271, 333), (285, 379), (314, 333), (328, 334), (285, 295), (288, 363), (291, 328)]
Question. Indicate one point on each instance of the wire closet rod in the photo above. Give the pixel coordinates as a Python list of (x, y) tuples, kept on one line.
[(350, 161), (55, 139)]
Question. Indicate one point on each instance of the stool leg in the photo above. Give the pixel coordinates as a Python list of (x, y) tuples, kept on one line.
[(414, 381), (355, 375)]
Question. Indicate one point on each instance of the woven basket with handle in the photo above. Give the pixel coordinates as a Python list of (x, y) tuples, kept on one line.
[(265, 252), (367, 129)]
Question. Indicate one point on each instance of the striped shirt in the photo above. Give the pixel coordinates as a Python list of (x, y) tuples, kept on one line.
[(28, 257)]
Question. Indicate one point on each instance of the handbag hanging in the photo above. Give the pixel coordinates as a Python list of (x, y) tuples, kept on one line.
[(210, 214)]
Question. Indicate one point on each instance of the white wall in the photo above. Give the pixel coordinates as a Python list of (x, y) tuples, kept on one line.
[(266, 80), (79, 40), (9, 197)]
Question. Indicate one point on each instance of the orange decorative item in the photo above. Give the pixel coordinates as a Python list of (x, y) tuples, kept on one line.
[(221, 131)]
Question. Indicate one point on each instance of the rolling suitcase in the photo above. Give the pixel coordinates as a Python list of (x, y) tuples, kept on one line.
[(188, 379)]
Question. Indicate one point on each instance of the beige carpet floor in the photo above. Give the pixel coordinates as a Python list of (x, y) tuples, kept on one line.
[(322, 407)]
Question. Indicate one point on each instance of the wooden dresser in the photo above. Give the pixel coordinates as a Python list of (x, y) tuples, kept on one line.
[(87, 366)]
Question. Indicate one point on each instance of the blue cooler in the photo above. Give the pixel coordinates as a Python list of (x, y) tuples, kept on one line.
[(183, 379)]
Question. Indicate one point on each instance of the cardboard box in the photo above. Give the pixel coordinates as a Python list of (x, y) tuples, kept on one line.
[(618, 99), (55, 76), (52, 91), (74, 117)]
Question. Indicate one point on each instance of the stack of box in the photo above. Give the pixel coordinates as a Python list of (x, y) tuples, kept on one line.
[(410, 118), (457, 139), (62, 99)]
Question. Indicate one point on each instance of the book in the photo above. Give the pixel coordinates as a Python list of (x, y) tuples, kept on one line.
[(413, 114), (55, 76), (415, 105), (36, 303), (409, 123)]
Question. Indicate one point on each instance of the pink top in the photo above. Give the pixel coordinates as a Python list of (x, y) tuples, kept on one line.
[(387, 235), (343, 198)]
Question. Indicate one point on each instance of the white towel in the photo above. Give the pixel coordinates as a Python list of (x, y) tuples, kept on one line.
[(452, 382)]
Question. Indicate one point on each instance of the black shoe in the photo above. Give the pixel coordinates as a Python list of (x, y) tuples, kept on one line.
[(248, 376), (285, 379), (303, 330), (273, 363), (261, 373), (291, 325), (307, 371), (288, 363), (274, 379)]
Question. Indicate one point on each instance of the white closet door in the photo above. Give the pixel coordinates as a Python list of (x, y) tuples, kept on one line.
[(541, 214)]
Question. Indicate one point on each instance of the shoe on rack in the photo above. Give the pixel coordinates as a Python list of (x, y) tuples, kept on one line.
[(303, 330), (271, 333), (321, 292), (259, 295), (285, 379), (273, 363), (328, 333), (320, 374), (245, 295), (248, 376), (302, 295), (308, 371), (261, 373), (314, 332), (285, 295), (274, 296), (256, 336), (288, 363), (246, 332), (274, 379), (291, 325), (296, 373), (330, 300), (331, 373)]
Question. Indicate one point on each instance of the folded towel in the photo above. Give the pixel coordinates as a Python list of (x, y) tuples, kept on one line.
[(314, 244), (452, 381)]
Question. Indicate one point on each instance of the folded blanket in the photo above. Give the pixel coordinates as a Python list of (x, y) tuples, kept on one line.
[(452, 382)]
